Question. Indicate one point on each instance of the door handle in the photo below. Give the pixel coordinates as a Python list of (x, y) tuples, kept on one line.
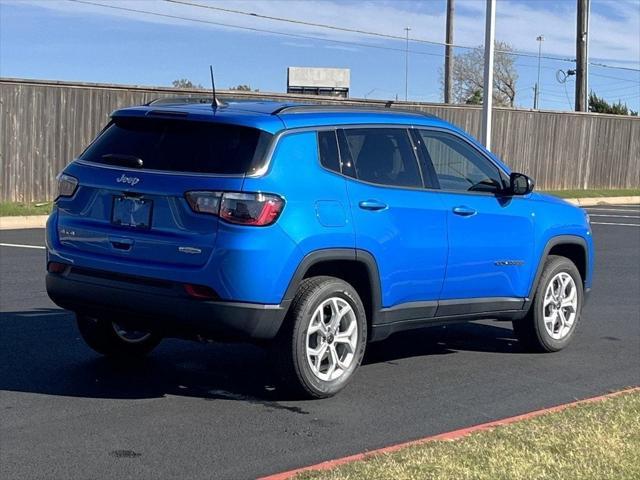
[(121, 243), (372, 205), (464, 211)]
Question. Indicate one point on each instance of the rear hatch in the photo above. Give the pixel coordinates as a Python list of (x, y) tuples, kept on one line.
[(130, 201)]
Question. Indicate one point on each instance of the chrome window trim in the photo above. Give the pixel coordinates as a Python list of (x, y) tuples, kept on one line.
[(282, 133), (277, 136)]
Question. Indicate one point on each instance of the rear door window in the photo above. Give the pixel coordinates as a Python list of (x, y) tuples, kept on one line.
[(180, 146), (382, 155)]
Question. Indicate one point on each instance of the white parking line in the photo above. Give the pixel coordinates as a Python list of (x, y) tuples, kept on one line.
[(613, 216), (622, 210), (620, 224), (37, 247)]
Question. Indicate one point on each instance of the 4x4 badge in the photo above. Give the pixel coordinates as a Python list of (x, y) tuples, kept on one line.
[(509, 263)]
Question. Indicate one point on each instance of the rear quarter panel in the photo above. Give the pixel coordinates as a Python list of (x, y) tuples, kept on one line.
[(316, 214)]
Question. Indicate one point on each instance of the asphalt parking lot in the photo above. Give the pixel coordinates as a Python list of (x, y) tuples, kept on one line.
[(210, 411)]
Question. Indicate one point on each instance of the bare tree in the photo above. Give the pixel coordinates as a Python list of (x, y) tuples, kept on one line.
[(468, 76)]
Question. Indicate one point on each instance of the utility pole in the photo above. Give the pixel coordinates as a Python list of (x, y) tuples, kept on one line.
[(581, 55), (536, 101), (448, 53), (406, 67), (487, 97)]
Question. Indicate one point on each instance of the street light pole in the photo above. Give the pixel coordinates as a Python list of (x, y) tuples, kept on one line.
[(406, 67), (540, 39), (487, 94)]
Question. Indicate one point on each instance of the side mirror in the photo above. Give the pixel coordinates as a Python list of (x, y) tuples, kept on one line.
[(520, 184)]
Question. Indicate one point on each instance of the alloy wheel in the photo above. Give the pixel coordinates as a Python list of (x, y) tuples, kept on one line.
[(560, 305), (332, 338)]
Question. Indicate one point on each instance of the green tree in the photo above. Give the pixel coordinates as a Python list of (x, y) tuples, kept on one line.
[(185, 83), (600, 105), (243, 88), (475, 99), (468, 76)]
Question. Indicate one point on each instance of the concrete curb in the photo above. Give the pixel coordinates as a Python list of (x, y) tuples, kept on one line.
[(15, 223), (39, 221), (593, 201), (447, 436)]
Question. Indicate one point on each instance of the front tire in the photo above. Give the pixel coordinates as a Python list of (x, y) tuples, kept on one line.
[(323, 339), (112, 340), (557, 305)]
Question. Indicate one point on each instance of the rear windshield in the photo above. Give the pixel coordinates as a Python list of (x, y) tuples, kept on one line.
[(179, 145)]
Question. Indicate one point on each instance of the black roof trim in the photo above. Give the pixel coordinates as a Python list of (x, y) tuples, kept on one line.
[(347, 108), (186, 100)]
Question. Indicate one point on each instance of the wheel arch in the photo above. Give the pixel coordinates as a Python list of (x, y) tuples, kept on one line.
[(572, 247), (356, 267)]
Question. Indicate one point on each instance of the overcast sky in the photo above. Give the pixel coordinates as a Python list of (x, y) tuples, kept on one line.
[(64, 40)]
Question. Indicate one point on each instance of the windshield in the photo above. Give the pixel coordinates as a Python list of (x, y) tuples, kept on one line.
[(179, 145)]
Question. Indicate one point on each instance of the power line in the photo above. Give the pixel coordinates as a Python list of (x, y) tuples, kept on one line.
[(358, 31), (618, 89), (596, 64), (322, 39), (613, 78), (378, 34), (252, 29)]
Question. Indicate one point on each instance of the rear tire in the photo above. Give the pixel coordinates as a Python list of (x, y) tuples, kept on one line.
[(555, 312), (323, 339), (110, 339)]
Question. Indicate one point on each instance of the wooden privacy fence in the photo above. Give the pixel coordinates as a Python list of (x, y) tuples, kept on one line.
[(44, 125)]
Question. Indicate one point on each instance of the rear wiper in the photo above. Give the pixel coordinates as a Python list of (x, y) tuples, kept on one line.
[(123, 160)]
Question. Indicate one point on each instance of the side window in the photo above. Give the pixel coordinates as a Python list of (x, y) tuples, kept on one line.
[(328, 150), (458, 165), (381, 155)]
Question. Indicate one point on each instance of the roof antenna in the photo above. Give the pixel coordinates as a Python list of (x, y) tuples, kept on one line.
[(214, 100)]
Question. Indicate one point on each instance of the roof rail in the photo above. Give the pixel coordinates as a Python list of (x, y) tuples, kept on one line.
[(346, 108), (184, 100)]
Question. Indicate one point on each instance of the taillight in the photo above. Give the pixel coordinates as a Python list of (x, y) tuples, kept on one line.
[(250, 208), (66, 185), (204, 202), (257, 209)]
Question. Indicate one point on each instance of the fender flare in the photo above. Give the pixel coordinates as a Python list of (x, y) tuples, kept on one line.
[(554, 241), (334, 254)]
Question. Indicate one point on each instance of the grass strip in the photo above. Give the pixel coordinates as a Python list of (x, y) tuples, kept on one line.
[(598, 440), (593, 193), (14, 209)]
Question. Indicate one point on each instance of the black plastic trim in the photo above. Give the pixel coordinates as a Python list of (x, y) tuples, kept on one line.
[(382, 331), (333, 254), (411, 314), (466, 306), (168, 311), (408, 311), (554, 241)]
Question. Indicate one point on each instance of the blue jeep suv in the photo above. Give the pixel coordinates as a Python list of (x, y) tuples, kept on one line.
[(314, 229)]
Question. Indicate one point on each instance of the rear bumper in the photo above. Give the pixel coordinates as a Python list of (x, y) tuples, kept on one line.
[(164, 307)]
